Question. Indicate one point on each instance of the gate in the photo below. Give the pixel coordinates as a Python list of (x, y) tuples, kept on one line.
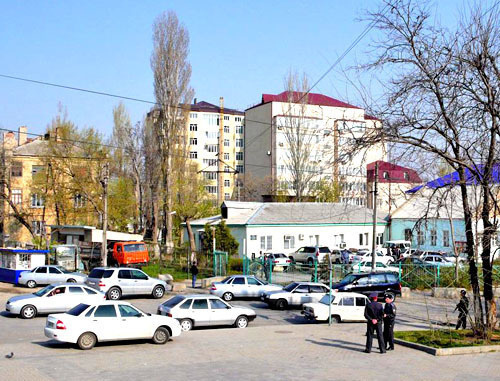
[(220, 263)]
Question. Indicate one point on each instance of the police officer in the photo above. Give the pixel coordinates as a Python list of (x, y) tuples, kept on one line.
[(374, 314), (389, 318), (463, 310)]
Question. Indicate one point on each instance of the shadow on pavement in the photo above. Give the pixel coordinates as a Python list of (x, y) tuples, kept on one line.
[(339, 344), (8, 315), (56, 344)]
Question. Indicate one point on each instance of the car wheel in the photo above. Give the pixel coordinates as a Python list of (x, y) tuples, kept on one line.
[(114, 293), (28, 312), (31, 284), (292, 260), (87, 341), (281, 304), (71, 280), (158, 292), (161, 335), (186, 325), (310, 262), (241, 322), (227, 296), (335, 319)]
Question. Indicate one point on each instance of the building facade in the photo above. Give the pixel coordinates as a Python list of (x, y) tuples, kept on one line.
[(327, 128)]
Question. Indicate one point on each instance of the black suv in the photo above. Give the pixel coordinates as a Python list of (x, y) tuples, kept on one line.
[(367, 283)]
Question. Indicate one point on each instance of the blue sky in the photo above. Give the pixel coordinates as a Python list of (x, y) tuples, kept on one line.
[(238, 50)]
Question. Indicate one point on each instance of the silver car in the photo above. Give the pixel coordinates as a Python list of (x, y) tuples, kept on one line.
[(241, 286), (116, 282), (295, 294), (59, 297), (205, 310), (49, 274)]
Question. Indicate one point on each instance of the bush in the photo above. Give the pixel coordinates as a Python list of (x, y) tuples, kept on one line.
[(236, 264)]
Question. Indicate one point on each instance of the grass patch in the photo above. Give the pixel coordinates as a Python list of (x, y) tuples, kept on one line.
[(446, 338)]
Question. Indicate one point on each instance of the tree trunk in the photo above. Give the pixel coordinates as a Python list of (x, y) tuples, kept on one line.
[(192, 243)]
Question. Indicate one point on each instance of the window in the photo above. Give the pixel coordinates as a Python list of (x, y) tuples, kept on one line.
[(105, 311), (237, 118), (186, 305), (217, 304), (210, 175), (16, 170), (347, 301), (124, 274), (227, 183), (377, 279), (193, 141), (78, 309), (226, 129), (89, 313), (227, 169), (226, 142), (212, 189), (239, 280), (239, 155), (253, 282), (405, 176), (360, 302), (239, 129), (138, 274), (269, 242), (226, 117), (289, 242), (361, 239), (263, 242), (128, 311), (38, 227), (200, 304), (41, 270), (302, 289), (193, 155), (212, 148), (253, 238), (408, 235), (420, 237), (446, 238), (193, 127), (75, 290), (36, 169), (433, 238), (239, 142), (385, 175), (239, 169), (316, 289), (53, 270), (78, 201), (227, 196), (36, 200), (16, 196), (226, 156), (193, 115), (90, 291)]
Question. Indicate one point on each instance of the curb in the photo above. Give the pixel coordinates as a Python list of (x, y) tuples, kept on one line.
[(449, 351)]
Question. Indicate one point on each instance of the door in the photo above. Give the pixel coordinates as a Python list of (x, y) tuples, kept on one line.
[(200, 311), (300, 295), (105, 323), (220, 313), (142, 284), (359, 309), (40, 275), (361, 285), (57, 300), (126, 282), (346, 308), (77, 295), (378, 283), (238, 286), (132, 324), (55, 275), (254, 287), (316, 292)]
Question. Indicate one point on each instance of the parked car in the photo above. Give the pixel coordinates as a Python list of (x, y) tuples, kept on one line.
[(129, 253), (58, 297), (411, 261), (278, 259), (241, 286), (435, 260), (367, 283), (120, 281), (366, 256), (336, 254), (205, 310), (87, 324), (346, 306), (295, 294), (310, 254), (449, 257), (49, 274), (362, 267)]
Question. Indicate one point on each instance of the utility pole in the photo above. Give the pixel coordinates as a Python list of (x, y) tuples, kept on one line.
[(220, 165), (374, 234), (104, 183)]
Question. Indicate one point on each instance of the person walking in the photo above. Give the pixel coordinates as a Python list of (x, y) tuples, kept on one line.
[(194, 272), (463, 310), (374, 314), (389, 318)]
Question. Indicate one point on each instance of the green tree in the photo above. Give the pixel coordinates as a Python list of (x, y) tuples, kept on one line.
[(122, 203), (326, 191), (224, 240)]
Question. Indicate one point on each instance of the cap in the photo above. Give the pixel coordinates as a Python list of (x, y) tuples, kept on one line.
[(373, 295)]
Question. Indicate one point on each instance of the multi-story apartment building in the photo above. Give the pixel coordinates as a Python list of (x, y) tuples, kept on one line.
[(220, 156), (320, 131)]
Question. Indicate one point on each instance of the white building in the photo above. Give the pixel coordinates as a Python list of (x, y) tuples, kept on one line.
[(328, 126), (285, 227)]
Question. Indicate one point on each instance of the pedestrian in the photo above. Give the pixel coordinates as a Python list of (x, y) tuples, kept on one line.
[(344, 257), (194, 272), (374, 315), (389, 318), (463, 310)]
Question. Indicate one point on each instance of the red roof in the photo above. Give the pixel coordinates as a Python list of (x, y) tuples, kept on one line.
[(312, 99), (395, 173)]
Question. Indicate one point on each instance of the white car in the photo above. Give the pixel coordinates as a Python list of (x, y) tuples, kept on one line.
[(346, 306), (435, 260), (205, 310), (366, 256), (241, 286), (42, 275), (295, 294), (364, 267), (59, 297), (278, 259), (88, 324)]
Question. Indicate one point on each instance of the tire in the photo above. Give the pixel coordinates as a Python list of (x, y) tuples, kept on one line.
[(310, 262), (71, 280), (28, 312), (241, 322), (291, 259), (335, 319), (161, 335), (86, 341), (114, 293), (281, 304), (158, 292), (31, 284), (186, 325), (227, 296)]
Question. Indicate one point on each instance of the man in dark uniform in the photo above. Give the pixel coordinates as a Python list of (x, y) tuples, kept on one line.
[(463, 310), (389, 318), (374, 314)]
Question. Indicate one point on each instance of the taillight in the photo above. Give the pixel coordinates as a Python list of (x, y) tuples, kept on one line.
[(400, 288), (213, 288), (288, 261), (60, 325), (169, 314), (275, 261), (101, 284)]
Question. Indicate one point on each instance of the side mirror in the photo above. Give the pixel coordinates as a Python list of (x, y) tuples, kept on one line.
[(355, 283)]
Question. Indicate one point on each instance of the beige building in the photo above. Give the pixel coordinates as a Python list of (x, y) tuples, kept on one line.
[(328, 128)]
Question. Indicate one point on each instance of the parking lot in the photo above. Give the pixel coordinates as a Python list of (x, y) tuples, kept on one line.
[(276, 345)]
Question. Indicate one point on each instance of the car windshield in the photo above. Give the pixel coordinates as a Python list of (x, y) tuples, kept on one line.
[(290, 287), (63, 269), (225, 280), (348, 279), (44, 290), (324, 299), (324, 249), (261, 281), (77, 310), (172, 302), (279, 256)]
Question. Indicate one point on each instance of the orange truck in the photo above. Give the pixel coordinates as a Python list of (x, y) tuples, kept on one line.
[(130, 253)]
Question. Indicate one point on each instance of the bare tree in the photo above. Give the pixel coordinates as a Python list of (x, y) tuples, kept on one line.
[(172, 73)]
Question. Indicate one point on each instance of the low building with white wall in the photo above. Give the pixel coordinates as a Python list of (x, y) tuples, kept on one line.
[(285, 227)]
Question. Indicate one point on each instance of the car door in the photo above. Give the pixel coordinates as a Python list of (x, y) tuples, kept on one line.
[(299, 295), (55, 275), (378, 283), (361, 285), (254, 287), (40, 275), (105, 323), (142, 283), (77, 295), (347, 308), (57, 300), (316, 292), (238, 286), (359, 308), (126, 282), (133, 324), (220, 313), (200, 311)]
